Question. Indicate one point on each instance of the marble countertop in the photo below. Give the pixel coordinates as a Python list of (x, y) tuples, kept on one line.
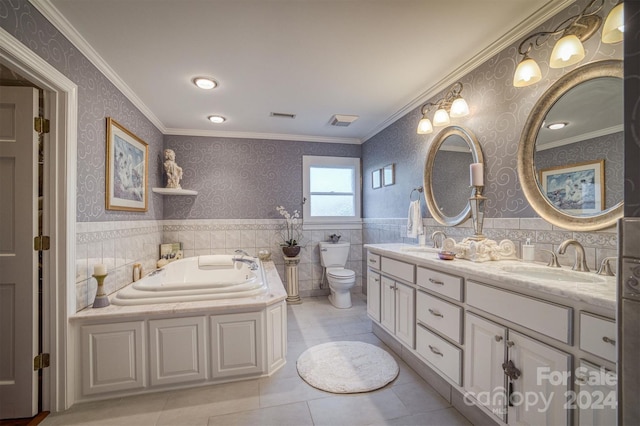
[(601, 294), (276, 293)]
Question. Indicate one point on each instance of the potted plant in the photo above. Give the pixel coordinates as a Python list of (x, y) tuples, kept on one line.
[(291, 232)]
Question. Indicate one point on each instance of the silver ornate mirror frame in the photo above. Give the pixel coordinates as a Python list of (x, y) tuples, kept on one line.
[(436, 143), (526, 151)]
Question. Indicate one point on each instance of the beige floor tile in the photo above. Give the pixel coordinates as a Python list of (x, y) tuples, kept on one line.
[(419, 397), (444, 417), (284, 415), (276, 391), (357, 409)]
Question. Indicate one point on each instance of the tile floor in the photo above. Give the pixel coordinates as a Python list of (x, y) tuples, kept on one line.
[(284, 398)]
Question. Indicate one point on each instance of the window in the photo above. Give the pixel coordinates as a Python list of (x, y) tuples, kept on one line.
[(331, 189)]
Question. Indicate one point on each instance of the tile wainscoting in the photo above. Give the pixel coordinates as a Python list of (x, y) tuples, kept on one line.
[(119, 245)]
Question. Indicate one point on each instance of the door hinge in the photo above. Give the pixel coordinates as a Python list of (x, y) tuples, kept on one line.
[(40, 361), (41, 243), (41, 125)]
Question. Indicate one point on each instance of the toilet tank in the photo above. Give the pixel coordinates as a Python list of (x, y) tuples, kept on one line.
[(334, 255)]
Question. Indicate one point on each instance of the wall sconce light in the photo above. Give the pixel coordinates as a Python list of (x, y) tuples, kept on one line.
[(452, 101), (569, 49)]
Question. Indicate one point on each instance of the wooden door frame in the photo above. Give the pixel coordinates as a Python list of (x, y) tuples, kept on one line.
[(59, 222)]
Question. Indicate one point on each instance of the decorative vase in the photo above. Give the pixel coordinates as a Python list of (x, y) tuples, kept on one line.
[(291, 251)]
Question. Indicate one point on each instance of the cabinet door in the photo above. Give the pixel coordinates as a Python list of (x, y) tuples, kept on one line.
[(405, 314), (596, 395), (484, 379), (388, 305), (373, 295), (236, 344), (539, 395)]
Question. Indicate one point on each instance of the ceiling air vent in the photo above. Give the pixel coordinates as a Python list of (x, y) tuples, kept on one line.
[(342, 120), (282, 115)]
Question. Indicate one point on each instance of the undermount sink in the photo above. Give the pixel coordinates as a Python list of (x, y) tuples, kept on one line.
[(420, 249), (553, 274)]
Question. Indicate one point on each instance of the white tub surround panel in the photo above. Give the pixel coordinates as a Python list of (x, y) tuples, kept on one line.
[(124, 350)]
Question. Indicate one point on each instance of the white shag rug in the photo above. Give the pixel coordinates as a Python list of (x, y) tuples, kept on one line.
[(347, 367)]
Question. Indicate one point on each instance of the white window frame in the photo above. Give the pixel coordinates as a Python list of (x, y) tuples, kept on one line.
[(331, 222)]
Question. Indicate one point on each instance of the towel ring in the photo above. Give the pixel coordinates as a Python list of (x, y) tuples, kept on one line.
[(419, 190)]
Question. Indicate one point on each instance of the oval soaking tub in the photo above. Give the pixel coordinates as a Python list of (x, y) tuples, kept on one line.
[(194, 279)]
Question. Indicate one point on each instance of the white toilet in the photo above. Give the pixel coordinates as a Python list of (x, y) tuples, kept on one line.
[(333, 257)]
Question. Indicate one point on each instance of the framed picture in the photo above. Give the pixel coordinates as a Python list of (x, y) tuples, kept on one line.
[(575, 188), (389, 175), (171, 251), (376, 179), (127, 169)]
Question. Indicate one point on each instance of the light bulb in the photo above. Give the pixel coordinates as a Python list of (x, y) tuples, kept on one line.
[(459, 108), (205, 83), (217, 119), (441, 118), (613, 29), (527, 73), (424, 126), (567, 51)]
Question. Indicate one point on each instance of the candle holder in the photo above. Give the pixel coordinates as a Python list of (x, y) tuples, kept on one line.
[(101, 300), (477, 213)]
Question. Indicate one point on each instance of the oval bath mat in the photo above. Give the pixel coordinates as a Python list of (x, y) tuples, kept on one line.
[(347, 367)]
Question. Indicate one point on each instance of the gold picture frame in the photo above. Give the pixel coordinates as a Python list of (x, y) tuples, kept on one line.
[(127, 169), (575, 188)]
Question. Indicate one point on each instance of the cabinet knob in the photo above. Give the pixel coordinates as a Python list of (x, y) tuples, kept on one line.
[(609, 340), (498, 338), (435, 350), (370, 260), (510, 343), (510, 370), (581, 380), (432, 281), (435, 313)]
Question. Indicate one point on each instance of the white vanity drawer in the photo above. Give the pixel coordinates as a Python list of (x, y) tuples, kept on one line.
[(402, 270), (441, 316), (544, 317), (373, 260), (598, 336), (441, 354), (445, 284)]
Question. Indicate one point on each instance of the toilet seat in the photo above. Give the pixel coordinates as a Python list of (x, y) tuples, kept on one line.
[(340, 273)]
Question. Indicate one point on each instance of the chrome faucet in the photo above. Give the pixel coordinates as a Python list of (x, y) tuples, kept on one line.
[(435, 242), (252, 263), (580, 263), (244, 253)]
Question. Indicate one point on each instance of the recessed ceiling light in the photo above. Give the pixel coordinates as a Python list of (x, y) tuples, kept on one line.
[(217, 119), (556, 126), (205, 83)]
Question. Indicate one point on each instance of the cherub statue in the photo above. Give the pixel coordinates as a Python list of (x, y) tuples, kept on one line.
[(174, 172)]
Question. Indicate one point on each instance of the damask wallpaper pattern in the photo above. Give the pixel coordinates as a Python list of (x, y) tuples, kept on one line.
[(242, 178), (631, 108), (498, 115), (98, 98)]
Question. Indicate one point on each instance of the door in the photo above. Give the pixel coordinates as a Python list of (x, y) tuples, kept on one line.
[(388, 304), (18, 260), (484, 379), (405, 314)]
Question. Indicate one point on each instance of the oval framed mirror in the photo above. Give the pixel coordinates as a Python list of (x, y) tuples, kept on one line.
[(573, 175), (446, 174)]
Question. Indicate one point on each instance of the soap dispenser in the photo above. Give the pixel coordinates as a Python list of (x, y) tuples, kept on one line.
[(528, 251)]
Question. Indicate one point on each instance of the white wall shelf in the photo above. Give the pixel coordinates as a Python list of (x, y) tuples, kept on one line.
[(173, 191)]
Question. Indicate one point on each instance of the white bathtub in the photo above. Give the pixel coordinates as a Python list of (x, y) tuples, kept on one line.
[(185, 280)]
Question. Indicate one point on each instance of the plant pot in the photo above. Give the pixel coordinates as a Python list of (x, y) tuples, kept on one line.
[(291, 251)]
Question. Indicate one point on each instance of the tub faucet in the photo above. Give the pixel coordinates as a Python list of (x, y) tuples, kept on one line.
[(244, 253), (252, 263), (435, 242), (580, 263)]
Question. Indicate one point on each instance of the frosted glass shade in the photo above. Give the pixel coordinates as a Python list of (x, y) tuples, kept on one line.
[(567, 51), (459, 108), (527, 73), (613, 30), (441, 118), (424, 126)]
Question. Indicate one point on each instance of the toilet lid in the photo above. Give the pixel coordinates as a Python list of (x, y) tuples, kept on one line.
[(341, 273)]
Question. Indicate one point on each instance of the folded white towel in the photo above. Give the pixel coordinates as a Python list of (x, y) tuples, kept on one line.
[(414, 221), (216, 260)]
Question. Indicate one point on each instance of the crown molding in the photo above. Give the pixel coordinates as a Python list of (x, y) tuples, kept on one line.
[(253, 135), (552, 8), (50, 12)]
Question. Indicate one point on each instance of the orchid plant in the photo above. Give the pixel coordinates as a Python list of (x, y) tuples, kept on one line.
[(291, 233)]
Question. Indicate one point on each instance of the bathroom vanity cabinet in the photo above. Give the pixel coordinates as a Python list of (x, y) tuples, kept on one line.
[(521, 351)]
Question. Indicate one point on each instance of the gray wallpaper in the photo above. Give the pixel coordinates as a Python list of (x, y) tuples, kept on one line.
[(242, 178), (97, 99), (498, 114), (631, 108), (609, 148)]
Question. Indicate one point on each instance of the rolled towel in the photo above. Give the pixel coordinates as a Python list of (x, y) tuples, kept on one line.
[(216, 261)]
